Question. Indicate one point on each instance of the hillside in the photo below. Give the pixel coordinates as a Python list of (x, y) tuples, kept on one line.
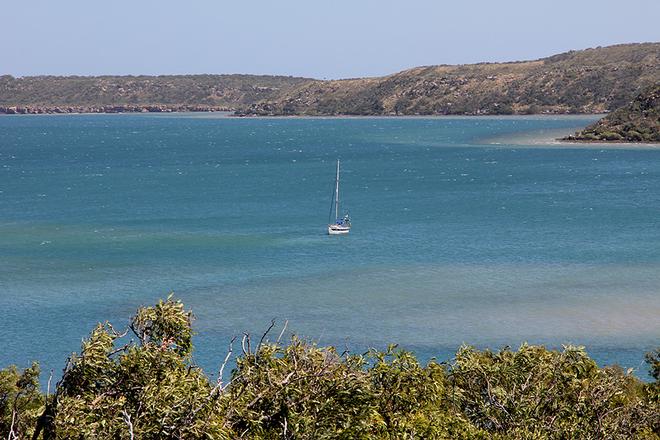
[(57, 94), (639, 121), (586, 81)]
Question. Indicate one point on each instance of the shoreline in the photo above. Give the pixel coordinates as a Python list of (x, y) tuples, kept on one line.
[(553, 139), (231, 113), (600, 142), (66, 109)]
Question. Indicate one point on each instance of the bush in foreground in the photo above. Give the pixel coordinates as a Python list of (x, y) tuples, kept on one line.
[(151, 389)]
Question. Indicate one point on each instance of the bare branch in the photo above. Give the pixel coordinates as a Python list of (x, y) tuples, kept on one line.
[(222, 367), (347, 350), (127, 419), (279, 338), (117, 350), (261, 341), (50, 378), (142, 336), (219, 387), (12, 434), (115, 333), (243, 346)]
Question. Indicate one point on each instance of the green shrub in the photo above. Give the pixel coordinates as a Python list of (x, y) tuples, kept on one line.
[(411, 401), (539, 393), (611, 136), (148, 390), (299, 391), (152, 390), (21, 403)]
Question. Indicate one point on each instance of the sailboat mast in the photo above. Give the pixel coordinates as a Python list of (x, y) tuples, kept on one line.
[(337, 192)]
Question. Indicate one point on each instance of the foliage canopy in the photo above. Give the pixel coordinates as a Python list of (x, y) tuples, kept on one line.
[(149, 388)]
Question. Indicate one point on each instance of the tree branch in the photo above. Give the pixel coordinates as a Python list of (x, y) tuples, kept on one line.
[(279, 338), (261, 341), (127, 419), (222, 367)]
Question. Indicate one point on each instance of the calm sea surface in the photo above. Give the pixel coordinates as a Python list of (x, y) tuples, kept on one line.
[(459, 234)]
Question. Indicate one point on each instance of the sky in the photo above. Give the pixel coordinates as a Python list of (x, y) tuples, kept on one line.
[(311, 38)]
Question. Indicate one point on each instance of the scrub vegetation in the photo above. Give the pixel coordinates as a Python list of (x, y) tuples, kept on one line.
[(142, 383), (638, 121), (586, 81)]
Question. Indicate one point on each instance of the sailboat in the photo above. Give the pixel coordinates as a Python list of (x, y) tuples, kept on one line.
[(342, 225)]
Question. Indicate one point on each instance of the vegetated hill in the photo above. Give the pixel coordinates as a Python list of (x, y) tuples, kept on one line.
[(586, 81), (639, 121), (89, 93)]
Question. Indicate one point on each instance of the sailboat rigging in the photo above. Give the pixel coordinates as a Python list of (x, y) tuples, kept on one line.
[(341, 225)]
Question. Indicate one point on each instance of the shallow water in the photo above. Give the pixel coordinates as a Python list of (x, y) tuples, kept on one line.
[(455, 238)]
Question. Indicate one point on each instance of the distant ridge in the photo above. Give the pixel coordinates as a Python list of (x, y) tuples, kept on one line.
[(65, 94), (585, 81)]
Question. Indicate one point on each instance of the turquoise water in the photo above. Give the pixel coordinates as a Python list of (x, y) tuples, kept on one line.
[(461, 233)]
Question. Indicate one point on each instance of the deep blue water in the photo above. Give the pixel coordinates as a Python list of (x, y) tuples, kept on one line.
[(459, 234)]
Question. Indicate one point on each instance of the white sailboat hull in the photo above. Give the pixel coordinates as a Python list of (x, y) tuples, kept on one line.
[(343, 225), (338, 229)]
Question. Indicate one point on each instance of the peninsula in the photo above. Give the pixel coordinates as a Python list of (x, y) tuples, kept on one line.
[(638, 121)]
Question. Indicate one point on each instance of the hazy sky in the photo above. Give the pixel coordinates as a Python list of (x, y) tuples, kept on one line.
[(321, 39)]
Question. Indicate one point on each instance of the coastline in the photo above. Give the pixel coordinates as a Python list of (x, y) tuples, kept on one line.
[(553, 139), (231, 113), (609, 143), (545, 139), (109, 109)]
